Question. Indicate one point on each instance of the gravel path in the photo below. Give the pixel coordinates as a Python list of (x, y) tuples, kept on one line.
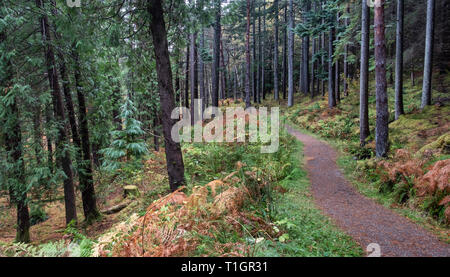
[(360, 217)]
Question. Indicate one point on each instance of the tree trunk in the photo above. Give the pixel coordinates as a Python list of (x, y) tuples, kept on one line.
[(399, 62), (291, 55), (331, 89), (192, 73), (364, 75), (223, 80), (346, 22), (285, 55), (63, 156), (305, 58), (337, 72), (275, 53), (174, 158), (428, 63), (382, 121), (85, 174), (322, 60), (69, 106), (186, 77), (263, 60), (247, 56), (201, 70), (255, 59), (216, 56), (259, 61)]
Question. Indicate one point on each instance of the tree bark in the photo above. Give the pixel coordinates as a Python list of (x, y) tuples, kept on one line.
[(346, 22), (186, 77), (216, 56), (305, 58), (174, 158), (255, 59), (192, 73), (364, 75), (275, 53), (85, 174), (259, 61), (263, 60), (63, 155), (399, 62), (331, 89), (284, 63), (247, 56), (428, 63), (291, 55), (201, 70), (382, 121)]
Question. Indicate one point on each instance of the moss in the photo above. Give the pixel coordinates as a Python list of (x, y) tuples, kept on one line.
[(415, 130), (442, 143)]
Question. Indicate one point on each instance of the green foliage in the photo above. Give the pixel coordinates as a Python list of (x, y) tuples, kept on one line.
[(127, 143), (37, 214)]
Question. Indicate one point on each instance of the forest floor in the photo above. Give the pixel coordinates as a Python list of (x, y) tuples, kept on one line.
[(363, 219)]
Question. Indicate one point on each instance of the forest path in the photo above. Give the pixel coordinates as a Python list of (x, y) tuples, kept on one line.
[(360, 217)]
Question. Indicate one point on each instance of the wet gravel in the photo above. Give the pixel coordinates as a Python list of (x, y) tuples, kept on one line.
[(360, 217)]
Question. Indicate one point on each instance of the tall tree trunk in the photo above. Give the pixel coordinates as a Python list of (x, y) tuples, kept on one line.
[(69, 105), (201, 71), (216, 56), (284, 63), (247, 56), (305, 57), (192, 73), (259, 61), (346, 22), (399, 62), (223, 81), (291, 55), (337, 72), (63, 156), (48, 120), (235, 85), (254, 58), (275, 53), (177, 81), (174, 158), (364, 75), (428, 63), (186, 77), (263, 60), (85, 174), (331, 89), (322, 59), (382, 121)]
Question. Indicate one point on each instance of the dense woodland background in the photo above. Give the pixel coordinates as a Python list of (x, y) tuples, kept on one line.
[(87, 93)]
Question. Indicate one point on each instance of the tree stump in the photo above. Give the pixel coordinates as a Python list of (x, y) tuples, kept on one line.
[(130, 190)]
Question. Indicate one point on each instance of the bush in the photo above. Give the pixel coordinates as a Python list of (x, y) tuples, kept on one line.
[(37, 214)]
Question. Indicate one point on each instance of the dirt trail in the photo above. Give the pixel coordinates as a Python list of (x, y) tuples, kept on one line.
[(360, 217)]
